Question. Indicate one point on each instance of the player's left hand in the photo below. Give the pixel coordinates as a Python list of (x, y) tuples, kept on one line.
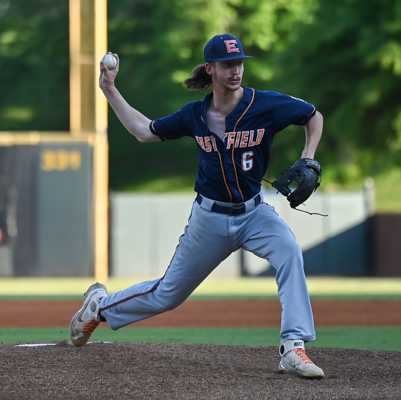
[(307, 173)]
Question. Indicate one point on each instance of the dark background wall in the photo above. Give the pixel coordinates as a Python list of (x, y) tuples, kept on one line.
[(46, 209), (386, 240)]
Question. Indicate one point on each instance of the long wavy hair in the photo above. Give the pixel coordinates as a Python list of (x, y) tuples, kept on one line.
[(199, 80)]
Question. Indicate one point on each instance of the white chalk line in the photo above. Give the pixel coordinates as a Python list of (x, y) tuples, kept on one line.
[(48, 344)]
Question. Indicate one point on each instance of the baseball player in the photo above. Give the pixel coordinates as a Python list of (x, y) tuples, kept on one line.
[(233, 129)]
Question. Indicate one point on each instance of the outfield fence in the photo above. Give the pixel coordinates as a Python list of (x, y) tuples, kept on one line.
[(145, 229)]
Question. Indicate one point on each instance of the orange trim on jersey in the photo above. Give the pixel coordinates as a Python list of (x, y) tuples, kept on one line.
[(253, 97), (214, 143), (238, 138), (314, 109), (224, 177), (203, 120), (236, 176), (162, 138), (235, 129)]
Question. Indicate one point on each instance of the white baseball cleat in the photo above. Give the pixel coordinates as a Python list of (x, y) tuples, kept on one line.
[(293, 358), (86, 320)]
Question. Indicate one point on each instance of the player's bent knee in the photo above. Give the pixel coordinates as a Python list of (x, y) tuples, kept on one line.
[(294, 249), (290, 255), (169, 305), (290, 248)]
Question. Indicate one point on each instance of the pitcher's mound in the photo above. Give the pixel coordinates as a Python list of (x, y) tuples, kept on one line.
[(190, 371)]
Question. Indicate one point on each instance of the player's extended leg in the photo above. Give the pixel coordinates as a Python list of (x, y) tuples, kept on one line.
[(203, 246), (267, 236)]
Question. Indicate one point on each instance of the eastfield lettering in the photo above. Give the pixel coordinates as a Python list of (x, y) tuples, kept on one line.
[(241, 139)]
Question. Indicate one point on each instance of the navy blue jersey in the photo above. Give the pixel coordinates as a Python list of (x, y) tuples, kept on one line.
[(231, 170)]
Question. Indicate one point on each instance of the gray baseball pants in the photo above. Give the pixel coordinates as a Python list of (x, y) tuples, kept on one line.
[(208, 239)]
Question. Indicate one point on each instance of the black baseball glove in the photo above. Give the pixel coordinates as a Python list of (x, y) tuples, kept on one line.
[(307, 172)]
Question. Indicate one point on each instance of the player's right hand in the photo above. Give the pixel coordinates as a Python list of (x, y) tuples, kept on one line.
[(107, 77)]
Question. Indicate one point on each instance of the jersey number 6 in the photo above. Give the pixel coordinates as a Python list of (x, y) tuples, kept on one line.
[(247, 161)]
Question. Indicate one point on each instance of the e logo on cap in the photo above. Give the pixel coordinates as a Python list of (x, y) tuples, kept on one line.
[(230, 44)]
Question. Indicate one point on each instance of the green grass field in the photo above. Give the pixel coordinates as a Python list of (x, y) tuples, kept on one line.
[(376, 338), (367, 338)]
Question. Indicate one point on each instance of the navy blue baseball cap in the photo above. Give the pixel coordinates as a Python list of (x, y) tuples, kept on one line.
[(224, 48)]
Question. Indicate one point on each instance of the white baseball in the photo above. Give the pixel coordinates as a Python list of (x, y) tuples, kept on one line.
[(110, 61)]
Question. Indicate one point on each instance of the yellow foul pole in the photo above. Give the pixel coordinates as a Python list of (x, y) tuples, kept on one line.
[(88, 110), (75, 73), (101, 149)]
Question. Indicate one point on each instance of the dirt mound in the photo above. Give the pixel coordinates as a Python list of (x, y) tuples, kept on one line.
[(190, 371)]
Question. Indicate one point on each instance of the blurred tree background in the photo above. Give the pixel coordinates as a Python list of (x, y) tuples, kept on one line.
[(343, 56)]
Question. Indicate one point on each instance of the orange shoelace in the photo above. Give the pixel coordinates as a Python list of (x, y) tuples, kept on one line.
[(301, 354), (90, 327)]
